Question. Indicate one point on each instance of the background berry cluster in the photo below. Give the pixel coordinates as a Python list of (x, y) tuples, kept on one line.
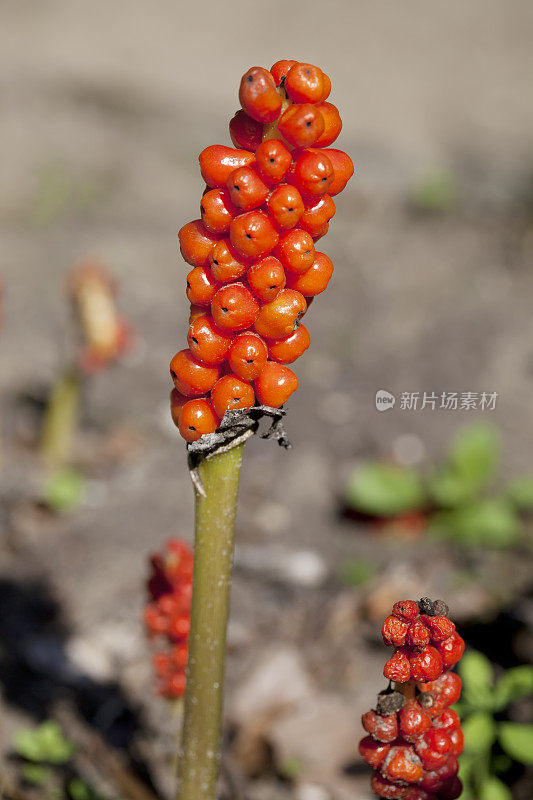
[(414, 737), (425, 640), (267, 201), (167, 614)]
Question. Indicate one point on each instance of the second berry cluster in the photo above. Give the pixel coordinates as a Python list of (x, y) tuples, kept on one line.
[(255, 271)]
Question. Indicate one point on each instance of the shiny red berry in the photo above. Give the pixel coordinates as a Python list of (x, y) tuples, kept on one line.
[(413, 721), (427, 665), (382, 727), (397, 667), (313, 173), (402, 765), (273, 160), (253, 234), (458, 740), (259, 96), (406, 609), (372, 751), (279, 318), (332, 124), (206, 342), (234, 307), (439, 627), (292, 347), (306, 83), (433, 747), (445, 691), (177, 401), (394, 631), (226, 265), (301, 125), (447, 720), (217, 211), (387, 789), (246, 189), (247, 356), (196, 243), (245, 132), (275, 384), (315, 279), (201, 286), (266, 278), (280, 69), (190, 377), (296, 250), (343, 169), (197, 418), (451, 650), (317, 214), (230, 393), (286, 206), (217, 162), (418, 634)]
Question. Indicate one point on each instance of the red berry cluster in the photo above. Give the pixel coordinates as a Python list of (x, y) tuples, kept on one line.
[(167, 614), (425, 640), (414, 737), (255, 268)]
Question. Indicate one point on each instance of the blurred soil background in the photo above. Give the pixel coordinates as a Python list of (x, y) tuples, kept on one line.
[(105, 107)]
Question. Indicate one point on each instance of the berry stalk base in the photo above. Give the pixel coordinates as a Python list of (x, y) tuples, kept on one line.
[(199, 757)]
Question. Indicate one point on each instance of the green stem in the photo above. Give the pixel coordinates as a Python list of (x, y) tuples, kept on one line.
[(213, 561), (60, 421)]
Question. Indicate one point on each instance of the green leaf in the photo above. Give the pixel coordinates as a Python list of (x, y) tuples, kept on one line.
[(480, 733), (385, 490), (520, 493), (45, 743), (449, 489), (355, 573), (514, 684), (474, 453), (476, 672), (490, 522), (493, 789), (517, 741), (64, 490), (36, 773)]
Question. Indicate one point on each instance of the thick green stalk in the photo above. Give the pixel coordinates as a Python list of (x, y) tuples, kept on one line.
[(213, 560), (60, 422)]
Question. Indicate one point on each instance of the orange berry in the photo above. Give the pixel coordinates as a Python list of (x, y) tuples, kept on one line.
[(306, 83), (275, 384), (315, 280), (273, 160), (245, 132), (225, 266), (206, 342), (217, 211), (278, 319), (253, 234), (247, 356), (342, 166), (201, 286), (285, 205), (313, 173), (197, 418), (280, 69), (217, 162), (332, 124), (230, 393), (258, 95), (246, 189), (234, 307), (177, 401), (296, 250), (301, 125), (266, 278), (196, 243), (289, 349), (190, 377), (317, 214)]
